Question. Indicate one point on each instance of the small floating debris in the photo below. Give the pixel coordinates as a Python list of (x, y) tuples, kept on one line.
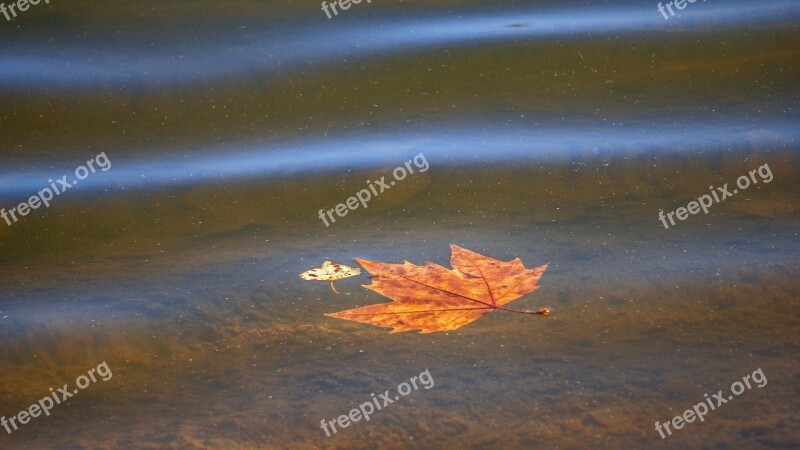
[(330, 272)]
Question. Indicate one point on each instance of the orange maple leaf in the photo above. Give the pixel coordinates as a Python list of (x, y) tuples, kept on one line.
[(432, 298)]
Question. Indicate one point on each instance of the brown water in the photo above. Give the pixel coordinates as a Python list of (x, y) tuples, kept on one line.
[(183, 279)]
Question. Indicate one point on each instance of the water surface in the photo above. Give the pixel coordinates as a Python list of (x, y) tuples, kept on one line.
[(555, 132)]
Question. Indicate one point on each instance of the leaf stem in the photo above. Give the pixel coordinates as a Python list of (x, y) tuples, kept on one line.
[(543, 311)]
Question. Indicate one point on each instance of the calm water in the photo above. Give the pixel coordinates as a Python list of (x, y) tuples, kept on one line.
[(554, 132)]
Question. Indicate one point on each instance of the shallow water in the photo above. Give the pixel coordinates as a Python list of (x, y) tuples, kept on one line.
[(553, 132)]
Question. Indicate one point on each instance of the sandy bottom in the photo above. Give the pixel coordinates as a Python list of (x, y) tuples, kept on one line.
[(214, 342)]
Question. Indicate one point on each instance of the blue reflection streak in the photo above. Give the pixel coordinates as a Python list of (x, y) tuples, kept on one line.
[(303, 44), (445, 147)]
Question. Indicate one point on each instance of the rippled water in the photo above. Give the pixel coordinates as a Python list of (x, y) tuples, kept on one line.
[(554, 132)]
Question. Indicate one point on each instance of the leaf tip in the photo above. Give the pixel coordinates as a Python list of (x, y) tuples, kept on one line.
[(365, 263)]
